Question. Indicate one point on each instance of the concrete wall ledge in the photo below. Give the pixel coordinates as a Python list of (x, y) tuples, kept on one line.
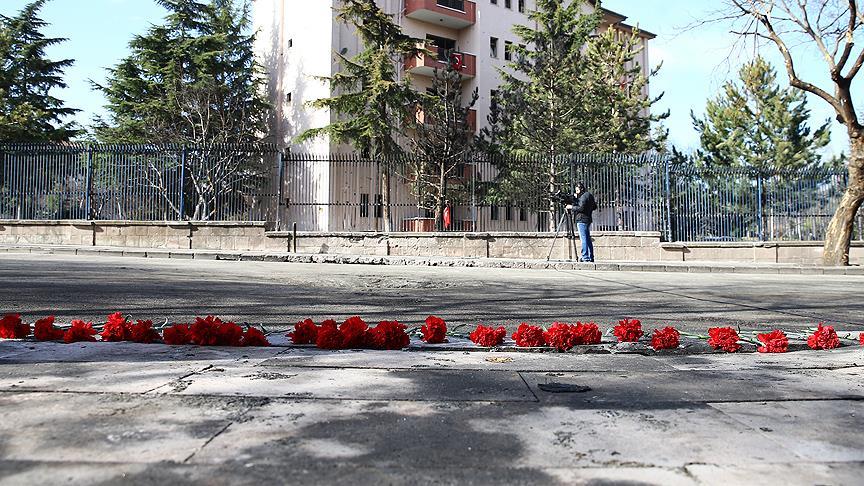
[(88, 223), (749, 244), (474, 235)]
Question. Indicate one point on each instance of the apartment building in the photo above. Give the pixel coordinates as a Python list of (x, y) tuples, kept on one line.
[(296, 44)]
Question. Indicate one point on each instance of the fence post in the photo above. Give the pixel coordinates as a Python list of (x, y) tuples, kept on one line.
[(667, 182), (183, 183), (761, 208), (280, 190), (88, 189)]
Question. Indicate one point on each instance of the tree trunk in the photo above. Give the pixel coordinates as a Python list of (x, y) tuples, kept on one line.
[(839, 234)]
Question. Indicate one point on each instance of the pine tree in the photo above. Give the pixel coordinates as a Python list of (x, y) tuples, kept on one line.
[(28, 110), (442, 143), (374, 106), (757, 124), (193, 79)]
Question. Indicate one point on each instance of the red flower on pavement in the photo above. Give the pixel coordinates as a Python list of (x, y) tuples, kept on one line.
[(80, 331), (229, 334), (353, 332), (116, 328), (666, 338), (724, 338), (586, 334), (435, 330), (329, 337), (177, 335), (528, 336), (44, 330), (825, 337), (143, 332), (487, 336), (11, 327), (305, 332), (773, 342), (254, 337), (560, 336), (205, 331), (628, 330), (388, 335)]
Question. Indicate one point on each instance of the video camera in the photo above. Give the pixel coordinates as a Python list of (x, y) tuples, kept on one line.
[(564, 198)]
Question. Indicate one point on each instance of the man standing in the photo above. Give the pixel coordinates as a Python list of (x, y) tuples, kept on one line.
[(585, 205)]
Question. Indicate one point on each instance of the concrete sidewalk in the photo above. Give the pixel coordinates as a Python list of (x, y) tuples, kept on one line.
[(112, 413), (678, 267)]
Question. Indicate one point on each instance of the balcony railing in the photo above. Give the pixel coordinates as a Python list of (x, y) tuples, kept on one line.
[(453, 14), (426, 64)]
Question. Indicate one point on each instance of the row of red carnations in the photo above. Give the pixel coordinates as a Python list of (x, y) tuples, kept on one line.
[(208, 331), (355, 333)]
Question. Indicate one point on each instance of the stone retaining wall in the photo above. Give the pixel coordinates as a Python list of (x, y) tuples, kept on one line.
[(609, 246)]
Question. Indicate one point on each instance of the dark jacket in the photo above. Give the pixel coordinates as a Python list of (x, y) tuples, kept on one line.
[(583, 208)]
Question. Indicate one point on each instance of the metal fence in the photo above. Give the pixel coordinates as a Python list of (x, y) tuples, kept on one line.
[(138, 182), (348, 192)]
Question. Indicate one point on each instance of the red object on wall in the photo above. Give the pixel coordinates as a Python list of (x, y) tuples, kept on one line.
[(456, 61), (447, 217)]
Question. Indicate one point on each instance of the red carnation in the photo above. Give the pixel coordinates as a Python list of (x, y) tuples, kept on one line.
[(388, 335), (724, 338), (44, 330), (11, 327), (254, 337), (528, 336), (116, 329), (328, 337), (861, 338), (143, 332), (666, 338), (487, 336), (586, 333), (177, 335), (774, 342), (560, 336), (628, 330), (823, 338), (353, 332), (229, 334), (205, 332), (435, 330), (80, 331), (305, 332)]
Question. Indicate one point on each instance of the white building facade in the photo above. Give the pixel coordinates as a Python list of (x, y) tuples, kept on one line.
[(297, 41)]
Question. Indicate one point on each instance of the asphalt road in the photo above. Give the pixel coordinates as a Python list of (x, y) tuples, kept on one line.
[(279, 294)]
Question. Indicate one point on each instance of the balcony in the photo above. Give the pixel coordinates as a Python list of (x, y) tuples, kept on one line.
[(426, 64), (453, 14), (421, 117)]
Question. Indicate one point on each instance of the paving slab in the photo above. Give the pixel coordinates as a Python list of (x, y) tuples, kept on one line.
[(23, 352), (789, 474), (359, 384), (652, 389), (799, 426), (477, 434), (110, 428), (848, 356), (461, 360)]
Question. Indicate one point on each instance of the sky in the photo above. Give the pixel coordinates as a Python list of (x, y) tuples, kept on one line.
[(695, 62)]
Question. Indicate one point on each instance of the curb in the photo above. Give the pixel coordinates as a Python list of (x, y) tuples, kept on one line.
[(277, 257)]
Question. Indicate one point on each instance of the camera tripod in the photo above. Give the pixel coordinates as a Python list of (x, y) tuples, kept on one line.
[(567, 223)]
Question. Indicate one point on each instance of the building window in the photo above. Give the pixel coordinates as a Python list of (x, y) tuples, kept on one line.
[(379, 206), (523, 213), (443, 45), (543, 221), (364, 205), (493, 96), (493, 2), (508, 4), (493, 47), (508, 212), (508, 51), (521, 6), (493, 212), (454, 4)]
